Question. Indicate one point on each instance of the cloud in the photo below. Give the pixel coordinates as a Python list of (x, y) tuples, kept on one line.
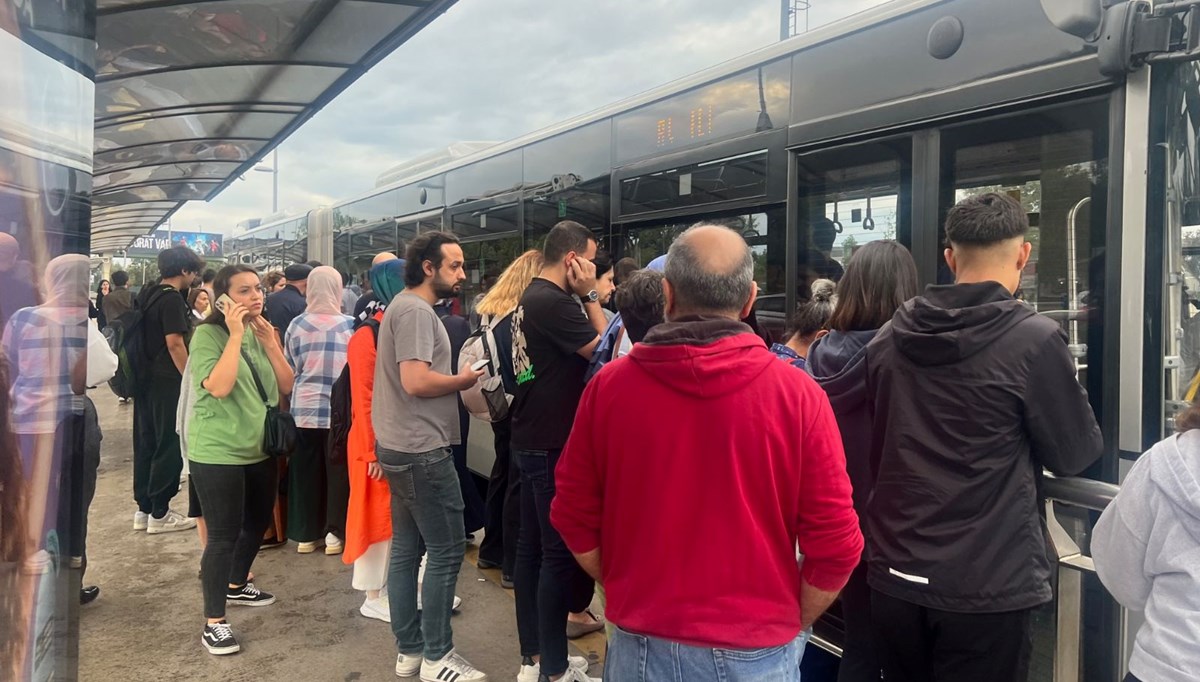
[(494, 70)]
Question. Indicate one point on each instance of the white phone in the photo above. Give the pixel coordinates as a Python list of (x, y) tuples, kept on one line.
[(223, 301), (481, 364)]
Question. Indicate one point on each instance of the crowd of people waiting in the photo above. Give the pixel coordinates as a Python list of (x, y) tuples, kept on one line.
[(715, 491)]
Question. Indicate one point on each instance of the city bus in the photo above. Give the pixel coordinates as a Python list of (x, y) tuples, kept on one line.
[(1086, 111)]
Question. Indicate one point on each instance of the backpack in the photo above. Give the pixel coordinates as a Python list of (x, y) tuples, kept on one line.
[(342, 406), (486, 399), (605, 349), (127, 339)]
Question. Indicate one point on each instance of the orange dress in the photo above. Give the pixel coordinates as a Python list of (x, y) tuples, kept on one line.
[(369, 515)]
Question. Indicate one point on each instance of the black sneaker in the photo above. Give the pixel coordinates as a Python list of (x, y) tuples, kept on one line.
[(249, 595), (219, 640)]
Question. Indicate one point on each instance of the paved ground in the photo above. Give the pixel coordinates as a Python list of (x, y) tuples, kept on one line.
[(146, 624)]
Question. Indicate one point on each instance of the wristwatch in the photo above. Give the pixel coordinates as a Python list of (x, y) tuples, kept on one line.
[(593, 296)]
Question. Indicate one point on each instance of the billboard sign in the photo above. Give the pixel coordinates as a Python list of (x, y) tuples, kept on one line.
[(207, 244)]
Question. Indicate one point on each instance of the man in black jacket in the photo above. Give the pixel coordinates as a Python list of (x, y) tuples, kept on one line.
[(973, 393)]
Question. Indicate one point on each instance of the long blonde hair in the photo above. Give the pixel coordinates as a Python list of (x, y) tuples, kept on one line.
[(504, 296)]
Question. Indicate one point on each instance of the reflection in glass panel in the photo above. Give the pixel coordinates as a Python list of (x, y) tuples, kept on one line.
[(738, 177), (485, 260), (177, 191), (765, 230), (748, 102), (849, 197), (1055, 164), (586, 204), (271, 247), (485, 178), (365, 211), (195, 127), (577, 156), (265, 83), (1181, 314), (130, 176), (177, 152)]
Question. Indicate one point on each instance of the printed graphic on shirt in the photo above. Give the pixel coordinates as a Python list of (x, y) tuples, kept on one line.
[(520, 350)]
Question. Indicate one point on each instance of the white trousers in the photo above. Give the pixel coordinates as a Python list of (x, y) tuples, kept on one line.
[(371, 569)]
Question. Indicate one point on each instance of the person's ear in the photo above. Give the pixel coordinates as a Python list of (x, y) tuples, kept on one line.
[(951, 261), (1023, 257), (749, 306), (820, 333), (668, 300)]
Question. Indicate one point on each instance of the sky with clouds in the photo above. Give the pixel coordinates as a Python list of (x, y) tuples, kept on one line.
[(494, 70)]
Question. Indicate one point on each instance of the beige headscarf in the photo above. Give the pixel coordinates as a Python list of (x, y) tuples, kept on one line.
[(324, 293)]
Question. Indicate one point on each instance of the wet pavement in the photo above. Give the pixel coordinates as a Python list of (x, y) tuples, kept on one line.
[(146, 624)]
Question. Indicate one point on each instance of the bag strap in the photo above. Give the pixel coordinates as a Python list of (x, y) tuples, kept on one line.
[(262, 392)]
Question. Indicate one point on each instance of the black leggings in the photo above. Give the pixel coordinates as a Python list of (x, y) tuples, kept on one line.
[(238, 501)]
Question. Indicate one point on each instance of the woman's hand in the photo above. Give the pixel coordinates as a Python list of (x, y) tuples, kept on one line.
[(264, 332), (235, 319)]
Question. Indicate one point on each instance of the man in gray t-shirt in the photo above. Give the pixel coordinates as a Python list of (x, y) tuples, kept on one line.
[(415, 414), (404, 421)]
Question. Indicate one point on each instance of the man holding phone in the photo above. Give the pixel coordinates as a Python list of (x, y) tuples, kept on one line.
[(553, 340), (414, 412)]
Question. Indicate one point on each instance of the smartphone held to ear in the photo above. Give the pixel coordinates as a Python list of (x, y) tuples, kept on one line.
[(223, 302)]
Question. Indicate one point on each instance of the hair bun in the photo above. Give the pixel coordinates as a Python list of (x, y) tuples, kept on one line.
[(823, 290)]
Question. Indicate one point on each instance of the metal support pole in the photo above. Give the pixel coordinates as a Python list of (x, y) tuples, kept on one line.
[(785, 27), (274, 182)]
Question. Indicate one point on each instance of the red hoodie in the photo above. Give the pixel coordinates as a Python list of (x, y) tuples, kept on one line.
[(696, 465)]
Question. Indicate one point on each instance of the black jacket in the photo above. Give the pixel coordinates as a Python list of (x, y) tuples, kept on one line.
[(838, 362), (972, 393), (283, 306)]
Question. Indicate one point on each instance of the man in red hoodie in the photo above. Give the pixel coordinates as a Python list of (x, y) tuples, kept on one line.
[(692, 523)]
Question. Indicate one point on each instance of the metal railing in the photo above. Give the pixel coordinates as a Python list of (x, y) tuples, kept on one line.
[(1085, 494)]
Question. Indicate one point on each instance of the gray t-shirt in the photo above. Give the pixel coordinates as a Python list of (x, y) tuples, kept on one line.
[(411, 330)]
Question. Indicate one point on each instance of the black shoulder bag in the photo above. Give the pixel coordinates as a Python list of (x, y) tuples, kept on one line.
[(279, 429)]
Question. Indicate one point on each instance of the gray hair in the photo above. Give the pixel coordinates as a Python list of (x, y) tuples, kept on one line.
[(700, 290)]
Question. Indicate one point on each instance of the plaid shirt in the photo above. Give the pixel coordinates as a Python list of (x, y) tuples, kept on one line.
[(315, 346), (42, 346)]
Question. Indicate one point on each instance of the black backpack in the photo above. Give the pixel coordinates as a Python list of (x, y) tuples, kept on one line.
[(341, 407), (127, 339)]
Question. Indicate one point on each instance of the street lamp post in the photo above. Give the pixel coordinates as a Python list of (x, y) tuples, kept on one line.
[(274, 171)]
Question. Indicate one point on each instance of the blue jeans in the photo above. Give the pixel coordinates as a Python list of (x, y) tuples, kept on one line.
[(638, 658), (426, 503)]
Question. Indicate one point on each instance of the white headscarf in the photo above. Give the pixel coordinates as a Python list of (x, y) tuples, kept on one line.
[(324, 293), (66, 281)]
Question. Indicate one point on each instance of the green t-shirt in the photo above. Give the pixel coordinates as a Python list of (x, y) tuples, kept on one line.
[(228, 430)]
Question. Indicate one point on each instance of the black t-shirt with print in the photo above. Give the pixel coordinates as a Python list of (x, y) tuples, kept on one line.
[(162, 315), (548, 328)]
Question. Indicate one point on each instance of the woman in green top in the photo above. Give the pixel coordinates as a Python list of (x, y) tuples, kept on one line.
[(234, 480)]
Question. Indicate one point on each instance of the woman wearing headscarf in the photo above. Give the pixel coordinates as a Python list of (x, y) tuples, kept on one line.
[(369, 517), (46, 350), (315, 344)]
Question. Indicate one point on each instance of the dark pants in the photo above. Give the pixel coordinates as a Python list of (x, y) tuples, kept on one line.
[(90, 451), (503, 505), (318, 490), (549, 582), (157, 460), (920, 644), (237, 501), (473, 507), (859, 660)]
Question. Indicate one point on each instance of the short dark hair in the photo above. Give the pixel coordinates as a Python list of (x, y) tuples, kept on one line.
[(603, 263), (345, 277), (640, 302), (177, 260), (314, 263), (813, 315), (565, 237), (426, 247), (879, 278), (209, 276), (120, 278), (625, 267), (985, 220)]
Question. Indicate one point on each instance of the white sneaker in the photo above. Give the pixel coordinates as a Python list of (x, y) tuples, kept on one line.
[(576, 675), (306, 547), (332, 545), (407, 666), (451, 667), (530, 673), (457, 600), (172, 522), (379, 609), (140, 519)]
